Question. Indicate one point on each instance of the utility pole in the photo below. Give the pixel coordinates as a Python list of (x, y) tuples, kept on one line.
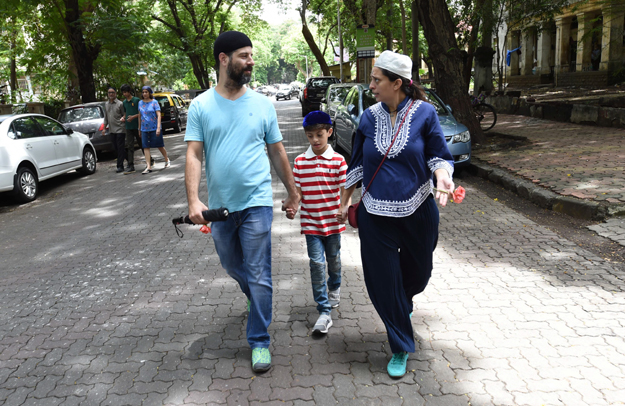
[(338, 19)]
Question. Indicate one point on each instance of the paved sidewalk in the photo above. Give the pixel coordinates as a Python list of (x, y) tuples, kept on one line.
[(584, 163), (102, 304)]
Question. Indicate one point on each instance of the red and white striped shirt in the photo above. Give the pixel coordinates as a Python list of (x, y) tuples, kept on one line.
[(320, 178)]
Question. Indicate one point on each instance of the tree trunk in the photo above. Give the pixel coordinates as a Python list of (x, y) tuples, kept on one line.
[(486, 62), (73, 86), (447, 59), (404, 43), (468, 63), (310, 40), (83, 55), (13, 79), (370, 8), (416, 52), (389, 33), (199, 70)]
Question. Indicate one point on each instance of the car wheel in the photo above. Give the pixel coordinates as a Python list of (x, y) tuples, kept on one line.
[(304, 112), (177, 126), (26, 185), (88, 162)]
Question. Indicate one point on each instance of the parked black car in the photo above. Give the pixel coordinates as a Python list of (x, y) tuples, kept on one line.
[(314, 91)]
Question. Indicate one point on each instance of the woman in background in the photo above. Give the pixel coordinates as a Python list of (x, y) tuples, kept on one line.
[(150, 125)]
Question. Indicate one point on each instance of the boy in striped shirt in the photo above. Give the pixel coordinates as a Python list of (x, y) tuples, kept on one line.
[(320, 179)]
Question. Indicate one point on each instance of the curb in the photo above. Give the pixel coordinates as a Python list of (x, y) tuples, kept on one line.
[(571, 206)]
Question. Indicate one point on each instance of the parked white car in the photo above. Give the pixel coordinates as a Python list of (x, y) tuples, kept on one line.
[(34, 147)]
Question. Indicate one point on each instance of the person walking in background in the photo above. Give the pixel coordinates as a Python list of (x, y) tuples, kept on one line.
[(230, 126), (114, 113), (131, 120), (150, 125), (320, 179), (401, 139)]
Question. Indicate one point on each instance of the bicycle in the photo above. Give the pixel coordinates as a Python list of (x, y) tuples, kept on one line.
[(485, 113)]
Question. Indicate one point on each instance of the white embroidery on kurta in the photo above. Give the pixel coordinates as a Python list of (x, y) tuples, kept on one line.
[(404, 208), (354, 176), (438, 163), (384, 131)]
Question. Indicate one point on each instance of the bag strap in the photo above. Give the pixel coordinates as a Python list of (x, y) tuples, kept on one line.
[(389, 149)]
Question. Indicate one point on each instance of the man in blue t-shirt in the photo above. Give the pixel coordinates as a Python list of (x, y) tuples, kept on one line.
[(230, 126)]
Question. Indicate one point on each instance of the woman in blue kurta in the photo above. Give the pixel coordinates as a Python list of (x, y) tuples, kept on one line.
[(398, 218)]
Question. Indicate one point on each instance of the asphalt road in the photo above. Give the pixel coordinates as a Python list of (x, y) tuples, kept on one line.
[(102, 304)]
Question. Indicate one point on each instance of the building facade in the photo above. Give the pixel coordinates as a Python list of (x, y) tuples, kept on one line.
[(582, 47)]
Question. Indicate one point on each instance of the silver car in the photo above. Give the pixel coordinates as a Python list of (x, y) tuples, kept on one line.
[(334, 97), (34, 147), (88, 119)]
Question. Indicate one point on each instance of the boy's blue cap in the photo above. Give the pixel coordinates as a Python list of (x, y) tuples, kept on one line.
[(316, 117)]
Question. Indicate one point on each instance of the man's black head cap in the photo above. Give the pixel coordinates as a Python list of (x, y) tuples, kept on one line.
[(230, 41)]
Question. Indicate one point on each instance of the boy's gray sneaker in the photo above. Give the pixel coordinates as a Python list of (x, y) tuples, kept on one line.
[(323, 324), (334, 297)]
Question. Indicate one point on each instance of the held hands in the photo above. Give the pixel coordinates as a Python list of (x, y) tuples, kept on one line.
[(341, 216), (291, 205)]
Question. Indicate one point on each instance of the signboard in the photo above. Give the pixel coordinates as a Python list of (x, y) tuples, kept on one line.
[(365, 41)]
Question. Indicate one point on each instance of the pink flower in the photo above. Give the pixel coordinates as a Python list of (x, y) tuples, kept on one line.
[(458, 195)]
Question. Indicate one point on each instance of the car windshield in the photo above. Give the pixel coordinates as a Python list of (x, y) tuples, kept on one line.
[(80, 114), (434, 101), (285, 87), (368, 99), (322, 82), (163, 101)]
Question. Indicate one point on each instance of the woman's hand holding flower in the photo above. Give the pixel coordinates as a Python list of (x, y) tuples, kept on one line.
[(444, 186), (457, 196)]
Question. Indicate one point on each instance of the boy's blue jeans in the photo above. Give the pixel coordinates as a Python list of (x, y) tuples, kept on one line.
[(318, 246), (243, 243)]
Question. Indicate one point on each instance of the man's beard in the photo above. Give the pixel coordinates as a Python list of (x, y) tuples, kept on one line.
[(238, 76)]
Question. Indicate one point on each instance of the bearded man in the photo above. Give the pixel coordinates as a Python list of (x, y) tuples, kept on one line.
[(229, 126)]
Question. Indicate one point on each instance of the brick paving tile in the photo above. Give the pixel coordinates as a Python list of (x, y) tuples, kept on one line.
[(101, 303)]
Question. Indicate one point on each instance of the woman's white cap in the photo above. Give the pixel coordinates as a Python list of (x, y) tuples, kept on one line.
[(396, 63)]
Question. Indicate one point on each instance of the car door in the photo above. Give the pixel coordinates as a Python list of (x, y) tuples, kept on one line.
[(344, 124), (38, 146), (66, 146)]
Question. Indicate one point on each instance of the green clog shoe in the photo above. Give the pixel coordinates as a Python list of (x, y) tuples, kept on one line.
[(397, 365), (261, 359)]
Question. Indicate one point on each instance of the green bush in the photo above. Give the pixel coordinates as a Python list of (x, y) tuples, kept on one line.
[(52, 108)]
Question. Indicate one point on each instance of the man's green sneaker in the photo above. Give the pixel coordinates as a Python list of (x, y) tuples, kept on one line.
[(261, 359), (397, 366)]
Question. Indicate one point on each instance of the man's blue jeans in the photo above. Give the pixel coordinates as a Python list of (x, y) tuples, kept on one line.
[(318, 246), (243, 243)]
